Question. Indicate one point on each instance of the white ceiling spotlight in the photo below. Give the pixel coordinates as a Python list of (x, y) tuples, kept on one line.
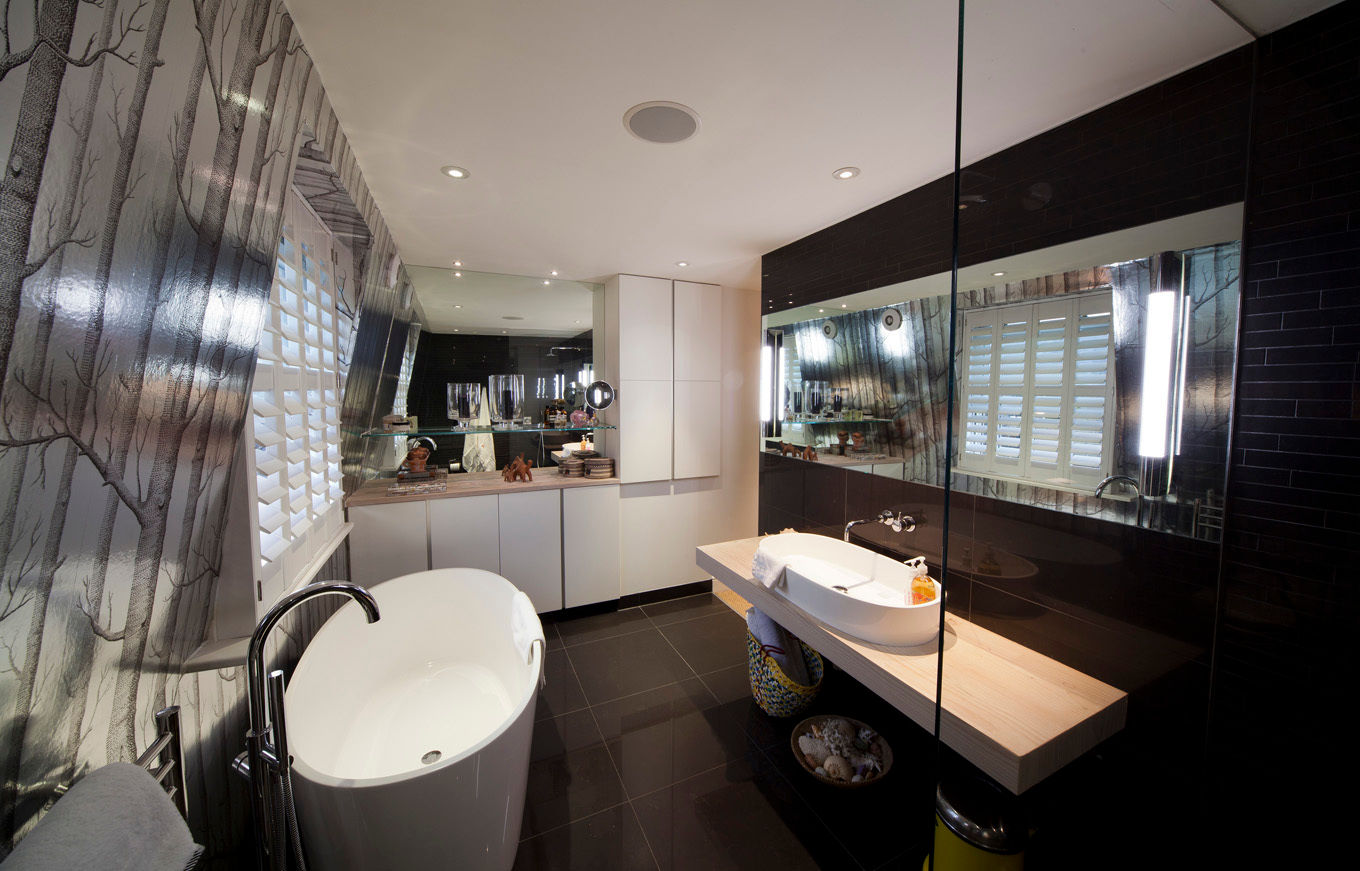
[(845, 172), (458, 275), (553, 273), (997, 274), (682, 263), (661, 121), (546, 282), (457, 263), (454, 171)]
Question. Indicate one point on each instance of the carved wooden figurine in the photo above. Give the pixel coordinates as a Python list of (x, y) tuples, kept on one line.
[(416, 458), (785, 449), (809, 454), (518, 469)]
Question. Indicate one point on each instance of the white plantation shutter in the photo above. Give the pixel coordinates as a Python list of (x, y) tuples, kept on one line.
[(1037, 391), (295, 406)]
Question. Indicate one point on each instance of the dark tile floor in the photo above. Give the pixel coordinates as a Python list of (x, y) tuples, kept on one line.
[(649, 753)]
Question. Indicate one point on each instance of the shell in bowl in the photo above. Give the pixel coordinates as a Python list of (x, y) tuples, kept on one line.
[(841, 751)]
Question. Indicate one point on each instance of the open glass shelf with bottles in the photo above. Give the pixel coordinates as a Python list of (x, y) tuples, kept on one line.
[(379, 433), (789, 420)]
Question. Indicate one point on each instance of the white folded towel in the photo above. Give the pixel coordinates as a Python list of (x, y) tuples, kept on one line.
[(767, 568), (525, 627), (783, 646)]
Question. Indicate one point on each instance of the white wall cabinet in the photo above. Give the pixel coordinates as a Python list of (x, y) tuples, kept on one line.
[(590, 545), (698, 429), (646, 343), (698, 331), (645, 434), (465, 532), (387, 541)]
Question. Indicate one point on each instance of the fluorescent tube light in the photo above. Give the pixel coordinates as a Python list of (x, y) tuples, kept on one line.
[(1158, 349)]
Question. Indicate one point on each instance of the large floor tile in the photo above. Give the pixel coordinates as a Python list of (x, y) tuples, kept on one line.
[(626, 664), (561, 692), (743, 817), (610, 840), (709, 643), (583, 630), (664, 735), (571, 775), (679, 610)]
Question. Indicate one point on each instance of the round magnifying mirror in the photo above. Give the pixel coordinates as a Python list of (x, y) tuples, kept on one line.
[(599, 395), (572, 393)]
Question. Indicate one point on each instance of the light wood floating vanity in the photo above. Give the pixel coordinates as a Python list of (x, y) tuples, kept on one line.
[(1017, 715)]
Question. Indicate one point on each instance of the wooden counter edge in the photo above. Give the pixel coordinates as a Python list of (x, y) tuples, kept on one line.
[(376, 494)]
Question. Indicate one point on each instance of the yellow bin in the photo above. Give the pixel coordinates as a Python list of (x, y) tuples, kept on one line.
[(977, 828)]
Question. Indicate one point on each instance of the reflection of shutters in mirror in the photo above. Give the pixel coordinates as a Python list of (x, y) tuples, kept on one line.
[(1037, 391), (295, 404)]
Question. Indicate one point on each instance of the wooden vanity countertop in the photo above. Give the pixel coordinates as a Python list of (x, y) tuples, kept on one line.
[(374, 492), (1016, 714)]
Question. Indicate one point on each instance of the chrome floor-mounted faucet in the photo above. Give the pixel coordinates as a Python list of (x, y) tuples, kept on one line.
[(1137, 493), (264, 763)]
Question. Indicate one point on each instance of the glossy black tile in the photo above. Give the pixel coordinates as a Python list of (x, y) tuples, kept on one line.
[(824, 499), (664, 735), (709, 643), (610, 840), (583, 630), (679, 610), (561, 693), (572, 775), (627, 664), (741, 817), (551, 638)]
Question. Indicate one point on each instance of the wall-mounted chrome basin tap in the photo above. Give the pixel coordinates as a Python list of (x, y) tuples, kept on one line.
[(896, 522), (1137, 492), (266, 762)]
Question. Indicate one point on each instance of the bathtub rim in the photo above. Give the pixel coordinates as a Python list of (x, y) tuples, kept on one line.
[(537, 651)]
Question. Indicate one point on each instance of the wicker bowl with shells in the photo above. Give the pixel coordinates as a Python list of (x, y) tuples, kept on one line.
[(841, 751)]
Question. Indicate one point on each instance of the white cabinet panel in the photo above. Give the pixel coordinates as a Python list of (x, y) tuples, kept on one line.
[(590, 545), (531, 545), (387, 541), (698, 429), (644, 415), (645, 340), (465, 532), (698, 331)]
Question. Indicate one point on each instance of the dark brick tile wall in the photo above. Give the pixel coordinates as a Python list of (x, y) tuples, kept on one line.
[(1174, 148), (1285, 659)]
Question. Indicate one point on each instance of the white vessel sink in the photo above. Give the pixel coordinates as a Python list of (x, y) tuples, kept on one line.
[(851, 589)]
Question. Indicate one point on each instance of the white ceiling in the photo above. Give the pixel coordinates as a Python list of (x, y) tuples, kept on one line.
[(517, 305), (529, 96)]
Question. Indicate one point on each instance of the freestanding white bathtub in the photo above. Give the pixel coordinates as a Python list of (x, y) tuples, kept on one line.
[(410, 736)]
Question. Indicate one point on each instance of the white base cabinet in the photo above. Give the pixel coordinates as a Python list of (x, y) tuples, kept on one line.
[(531, 545), (387, 541), (561, 547), (465, 532), (590, 545)]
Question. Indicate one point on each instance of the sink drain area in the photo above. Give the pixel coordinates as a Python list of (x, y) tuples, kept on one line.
[(430, 758)]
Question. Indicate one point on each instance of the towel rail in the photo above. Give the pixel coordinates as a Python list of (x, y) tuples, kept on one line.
[(165, 758)]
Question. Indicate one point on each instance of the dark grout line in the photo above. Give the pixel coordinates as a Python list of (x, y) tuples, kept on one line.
[(574, 821)]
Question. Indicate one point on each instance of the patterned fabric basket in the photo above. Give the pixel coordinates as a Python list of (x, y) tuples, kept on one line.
[(776, 693)]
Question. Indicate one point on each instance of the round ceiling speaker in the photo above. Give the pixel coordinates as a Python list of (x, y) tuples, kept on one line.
[(892, 319), (661, 122), (829, 329)]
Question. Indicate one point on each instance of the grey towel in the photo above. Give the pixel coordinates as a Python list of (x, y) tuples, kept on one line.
[(116, 818)]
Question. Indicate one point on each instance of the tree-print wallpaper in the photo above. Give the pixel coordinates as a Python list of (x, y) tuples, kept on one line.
[(903, 375), (150, 143)]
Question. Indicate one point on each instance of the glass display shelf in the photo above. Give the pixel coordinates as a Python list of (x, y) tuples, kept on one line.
[(378, 433), (840, 420)]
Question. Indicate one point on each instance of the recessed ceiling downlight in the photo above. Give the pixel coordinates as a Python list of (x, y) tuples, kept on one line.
[(846, 172), (661, 121), (454, 171)]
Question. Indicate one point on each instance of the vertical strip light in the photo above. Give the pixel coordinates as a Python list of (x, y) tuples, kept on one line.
[(766, 384), (1158, 350), (780, 388), (1182, 364)]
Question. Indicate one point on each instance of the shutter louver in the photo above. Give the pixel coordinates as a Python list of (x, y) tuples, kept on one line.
[(1037, 390)]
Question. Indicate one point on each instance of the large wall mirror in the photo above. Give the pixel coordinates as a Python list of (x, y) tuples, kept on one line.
[(474, 326), (1106, 360)]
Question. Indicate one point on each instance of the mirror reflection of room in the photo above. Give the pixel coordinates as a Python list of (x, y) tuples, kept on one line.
[(505, 353), (1101, 389)]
